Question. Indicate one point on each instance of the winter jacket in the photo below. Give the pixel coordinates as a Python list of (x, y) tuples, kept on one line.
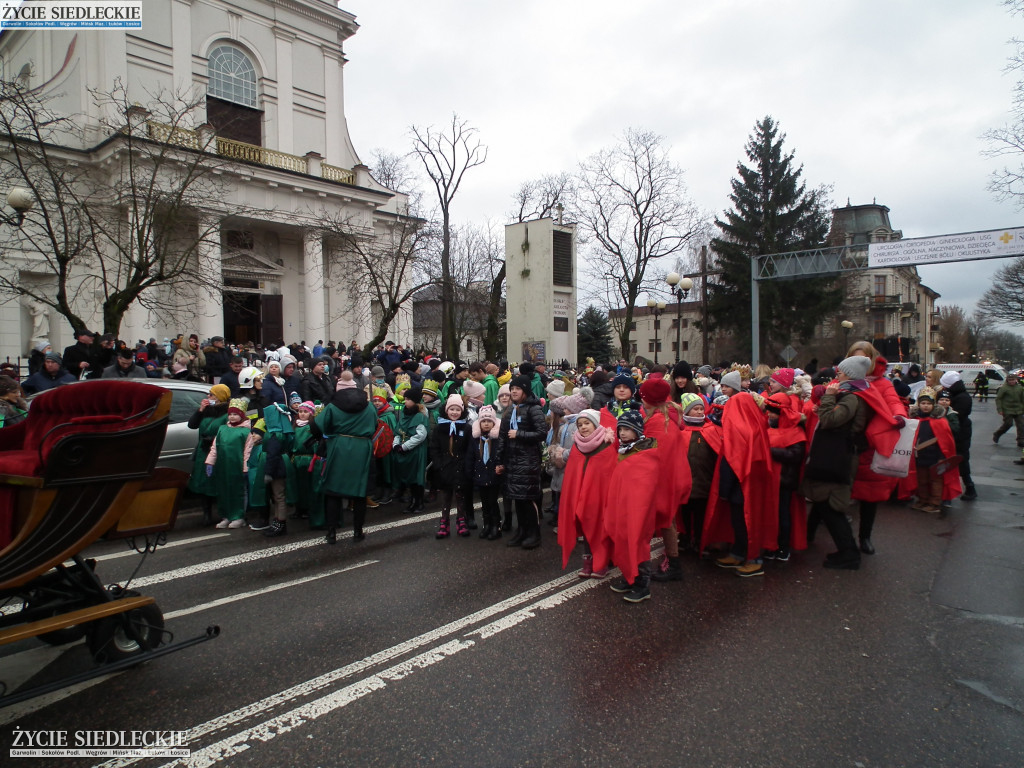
[(42, 381), (791, 458), (318, 388), (962, 402), (521, 455), (218, 362), (75, 355), (602, 394), (348, 422), (448, 445), (479, 472), (846, 414), (117, 372), (273, 391), (1010, 400)]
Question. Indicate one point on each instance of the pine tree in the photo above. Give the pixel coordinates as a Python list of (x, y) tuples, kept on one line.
[(772, 213), (594, 336)]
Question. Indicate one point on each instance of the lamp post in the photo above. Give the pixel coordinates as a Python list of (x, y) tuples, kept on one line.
[(656, 307), (21, 200), (847, 325), (680, 288)]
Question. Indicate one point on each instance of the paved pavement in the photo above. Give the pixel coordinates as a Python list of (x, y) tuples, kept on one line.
[(404, 650)]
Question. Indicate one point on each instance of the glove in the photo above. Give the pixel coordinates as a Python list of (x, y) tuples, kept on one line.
[(399, 448), (900, 422), (209, 470)]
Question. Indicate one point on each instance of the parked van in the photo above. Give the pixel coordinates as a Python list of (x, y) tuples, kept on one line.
[(995, 373)]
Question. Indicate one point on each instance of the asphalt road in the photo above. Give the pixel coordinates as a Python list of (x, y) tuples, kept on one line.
[(404, 650)]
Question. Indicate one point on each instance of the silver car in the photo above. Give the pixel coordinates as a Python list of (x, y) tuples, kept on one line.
[(180, 441)]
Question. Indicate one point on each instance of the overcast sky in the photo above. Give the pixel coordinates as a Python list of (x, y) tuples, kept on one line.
[(883, 99)]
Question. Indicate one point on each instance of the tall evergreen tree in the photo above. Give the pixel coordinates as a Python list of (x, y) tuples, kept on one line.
[(773, 212), (594, 336)]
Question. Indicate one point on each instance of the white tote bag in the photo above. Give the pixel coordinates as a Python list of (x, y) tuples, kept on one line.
[(898, 464)]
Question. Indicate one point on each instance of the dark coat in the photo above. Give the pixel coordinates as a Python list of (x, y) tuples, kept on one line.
[(602, 394), (521, 456), (76, 354), (40, 381), (961, 402), (230, 380), (317, 388), (218, 362), (448, 454)]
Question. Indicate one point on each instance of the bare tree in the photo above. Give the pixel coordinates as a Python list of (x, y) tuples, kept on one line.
[(1004, 301), (1007, 183), (634, 207), (122, 222), (447, 154), (953, 330)]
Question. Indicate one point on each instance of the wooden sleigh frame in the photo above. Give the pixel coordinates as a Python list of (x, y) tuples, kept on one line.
[(81, 468)]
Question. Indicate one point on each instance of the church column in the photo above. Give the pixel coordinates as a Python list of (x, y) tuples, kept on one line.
[(285, 94), (210, 280), (181, 49), (315, 325)]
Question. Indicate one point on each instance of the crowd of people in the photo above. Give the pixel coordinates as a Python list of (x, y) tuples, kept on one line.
[(736, 465)]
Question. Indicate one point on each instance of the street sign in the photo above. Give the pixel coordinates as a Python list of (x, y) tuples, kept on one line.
[(788, 353), (966, 246)]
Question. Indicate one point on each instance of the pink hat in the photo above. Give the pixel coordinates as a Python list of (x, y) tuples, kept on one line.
[(308, 405), (473, 390), (784, 376), (454, 399), (487, 412), (346, 381)]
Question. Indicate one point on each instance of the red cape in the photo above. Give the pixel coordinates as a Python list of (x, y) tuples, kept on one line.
[(947, 444), (882, 436), (676, 481), (789, 432), (629, 518), (584, 496), (746, 448)]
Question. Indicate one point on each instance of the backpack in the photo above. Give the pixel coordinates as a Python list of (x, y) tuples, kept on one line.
[(383, 440)]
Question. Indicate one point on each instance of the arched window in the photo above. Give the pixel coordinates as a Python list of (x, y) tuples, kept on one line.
[(232, 76), (232, 97)]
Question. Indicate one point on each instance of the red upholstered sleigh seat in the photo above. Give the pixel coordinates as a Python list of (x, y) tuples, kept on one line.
[(87, 407)]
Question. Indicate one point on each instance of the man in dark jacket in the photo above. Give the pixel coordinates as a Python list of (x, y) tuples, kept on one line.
[(230, 377), (218, 362), (317, 384), (520, 438), (961, 402), (390, 357), (124, 367), (53, 374), (80, 355), (603, 389)]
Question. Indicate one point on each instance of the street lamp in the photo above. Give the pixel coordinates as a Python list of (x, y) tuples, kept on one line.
[(21, 200), (656, 307), (680, 288), (847, 325)]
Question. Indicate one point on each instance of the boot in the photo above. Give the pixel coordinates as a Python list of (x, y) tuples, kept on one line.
[(970, 494), (442, 529), (332, 536), (670, 569), (494, 532), (532, 540), (277, 528), (517, 538), (371, 504), (460, 526), (358, 518), (416, 507), (506, 524), (471, 519), (640, 589), (207, 512)]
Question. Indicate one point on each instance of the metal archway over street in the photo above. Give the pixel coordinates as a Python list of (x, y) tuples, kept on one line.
[(964, 246)]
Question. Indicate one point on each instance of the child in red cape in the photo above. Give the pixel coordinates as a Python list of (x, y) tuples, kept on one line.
[(695, 444), (788, 448), (742, 494), (934, 447), (588, 471), (629, 518), (662, 419)]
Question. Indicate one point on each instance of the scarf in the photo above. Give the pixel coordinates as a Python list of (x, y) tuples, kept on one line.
[(694, 421), (485, 448), (627, 447), (451, 425), (513, 422), (589, 444)]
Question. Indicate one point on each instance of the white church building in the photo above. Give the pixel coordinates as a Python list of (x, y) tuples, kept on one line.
[(270, 75)]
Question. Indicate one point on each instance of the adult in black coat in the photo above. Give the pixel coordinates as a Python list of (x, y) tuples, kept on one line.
[(218, 361), (520, 440), (80, 356), (961, 402), (317, 384), (603, 389), (53, 374)]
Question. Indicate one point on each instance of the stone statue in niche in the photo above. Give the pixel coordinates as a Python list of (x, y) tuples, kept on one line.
[(40, 319)]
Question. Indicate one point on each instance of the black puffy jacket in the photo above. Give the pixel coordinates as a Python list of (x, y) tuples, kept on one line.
[(521, 455), (961, 402), (448, 454)]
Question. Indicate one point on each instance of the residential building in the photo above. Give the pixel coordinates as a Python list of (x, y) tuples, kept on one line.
[(270, 74)]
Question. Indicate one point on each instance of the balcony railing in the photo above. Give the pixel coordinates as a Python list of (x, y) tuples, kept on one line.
[(249, 153), (883, 302)]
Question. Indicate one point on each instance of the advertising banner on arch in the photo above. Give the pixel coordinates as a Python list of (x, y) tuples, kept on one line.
[(967, 246)]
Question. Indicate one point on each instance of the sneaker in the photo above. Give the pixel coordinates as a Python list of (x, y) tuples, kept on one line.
[(782, 555), (588, 567), (277, 528), (371, 503), (258, 525), (668, 571), (603, 573), (971, 493), (223, 523), (729, 561), (768, 554), (637, 594), (621, 586), (995, 437), (239, 523), (750, 569)]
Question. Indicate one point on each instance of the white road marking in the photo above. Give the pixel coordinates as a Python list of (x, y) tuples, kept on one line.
[(264, 591), (289, 721), (261, 554), (178, 543), (9, 714)]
